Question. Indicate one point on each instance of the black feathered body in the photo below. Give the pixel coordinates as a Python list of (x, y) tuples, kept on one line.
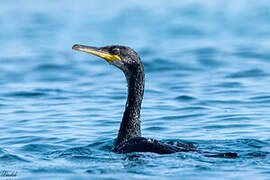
[(129, 137)]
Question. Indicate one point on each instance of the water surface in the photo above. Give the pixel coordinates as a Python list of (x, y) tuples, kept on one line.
[(207, 82)]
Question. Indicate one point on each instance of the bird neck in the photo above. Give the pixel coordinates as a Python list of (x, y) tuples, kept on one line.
[(131, 126)]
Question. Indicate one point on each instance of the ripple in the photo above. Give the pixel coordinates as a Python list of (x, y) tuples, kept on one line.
[(249, 53), (39, 147), (11, 158), (222, 102), (26, 94), (266, 97), (252, 73), (254, 143), (154, 128), (228, 126), (50, 170), (49, 67), (188, 116), (88, 152), (258, 154), (260, 99), (46, 90), (24, 139), (207, 56), (193, 108), (159, 65), (185, 98), (76, 152), (230, 85)]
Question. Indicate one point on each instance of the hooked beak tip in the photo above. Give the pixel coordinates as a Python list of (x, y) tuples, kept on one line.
[(76, 46)]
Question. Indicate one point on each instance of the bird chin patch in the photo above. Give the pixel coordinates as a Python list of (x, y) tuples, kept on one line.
[(118, 64)]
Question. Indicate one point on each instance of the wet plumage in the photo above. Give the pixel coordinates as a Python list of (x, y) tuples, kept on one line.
[(129, 137)]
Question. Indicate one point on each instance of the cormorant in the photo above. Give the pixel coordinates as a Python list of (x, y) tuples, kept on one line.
[(129, 137)]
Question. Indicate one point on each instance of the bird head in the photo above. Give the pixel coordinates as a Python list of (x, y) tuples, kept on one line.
[(122, 57)]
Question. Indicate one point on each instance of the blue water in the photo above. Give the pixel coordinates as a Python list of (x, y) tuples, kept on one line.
[(207, 67)]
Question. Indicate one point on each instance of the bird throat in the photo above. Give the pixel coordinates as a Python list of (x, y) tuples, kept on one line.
[(131, 126)]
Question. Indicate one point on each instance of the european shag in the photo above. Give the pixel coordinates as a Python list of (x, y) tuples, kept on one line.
[(129, 137)]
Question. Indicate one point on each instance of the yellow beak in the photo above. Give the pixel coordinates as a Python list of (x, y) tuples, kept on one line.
[(96, 51)]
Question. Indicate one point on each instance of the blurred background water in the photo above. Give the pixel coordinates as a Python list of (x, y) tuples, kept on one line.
[(207, 82)]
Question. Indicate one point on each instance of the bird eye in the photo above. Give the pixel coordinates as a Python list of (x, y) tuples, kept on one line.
[(115, 52)]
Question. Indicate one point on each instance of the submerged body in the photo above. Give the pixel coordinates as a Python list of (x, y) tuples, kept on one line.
[(129, 137), (140, 144)]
